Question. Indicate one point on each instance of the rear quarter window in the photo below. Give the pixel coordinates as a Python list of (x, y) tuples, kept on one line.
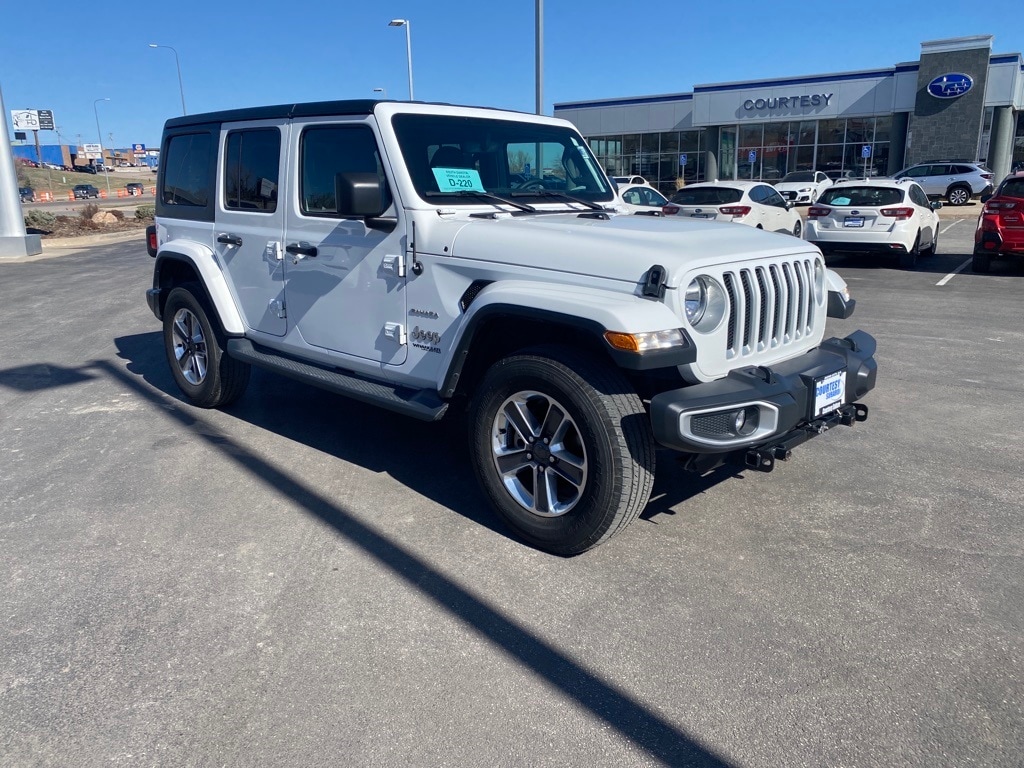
[(188, 162), (1013, 188)]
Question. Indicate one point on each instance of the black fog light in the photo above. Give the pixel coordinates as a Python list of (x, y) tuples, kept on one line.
[(746, 422)]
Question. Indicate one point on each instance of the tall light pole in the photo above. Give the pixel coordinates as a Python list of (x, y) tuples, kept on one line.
[(408, 47), (99, 135), (539, 51), (181, 88)]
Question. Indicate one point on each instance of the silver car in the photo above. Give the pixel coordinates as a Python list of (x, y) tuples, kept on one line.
[(956, 181)]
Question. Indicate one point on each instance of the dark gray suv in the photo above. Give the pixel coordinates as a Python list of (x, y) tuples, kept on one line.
[(956, 181)]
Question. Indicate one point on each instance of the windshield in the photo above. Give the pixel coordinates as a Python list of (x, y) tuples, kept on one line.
[(799, 176), (707, 196), (447, 155), (868, 196)]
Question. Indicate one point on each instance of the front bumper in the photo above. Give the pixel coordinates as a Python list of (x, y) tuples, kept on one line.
[(784, 392)]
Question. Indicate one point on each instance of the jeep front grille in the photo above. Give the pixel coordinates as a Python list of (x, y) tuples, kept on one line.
[(769, 305)]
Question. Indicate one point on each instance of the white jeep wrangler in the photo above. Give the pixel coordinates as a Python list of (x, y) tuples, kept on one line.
[(426, 257)]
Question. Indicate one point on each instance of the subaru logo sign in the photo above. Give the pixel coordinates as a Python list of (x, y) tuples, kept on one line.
[(950, 85)]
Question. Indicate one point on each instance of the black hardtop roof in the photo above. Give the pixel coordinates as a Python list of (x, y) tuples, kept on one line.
[(308, 109)]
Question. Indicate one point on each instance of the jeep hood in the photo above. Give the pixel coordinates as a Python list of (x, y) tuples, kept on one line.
[(622, 247)]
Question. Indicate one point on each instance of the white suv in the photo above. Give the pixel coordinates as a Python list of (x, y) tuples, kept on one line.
[(875, 216), (398, 253)]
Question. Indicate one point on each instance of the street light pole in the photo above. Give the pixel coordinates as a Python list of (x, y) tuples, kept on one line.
[(181, 88), (539, 53), (408, 47), (99, 135)]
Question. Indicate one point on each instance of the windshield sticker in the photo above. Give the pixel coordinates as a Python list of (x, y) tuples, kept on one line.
[(458, 179), (840, 201)]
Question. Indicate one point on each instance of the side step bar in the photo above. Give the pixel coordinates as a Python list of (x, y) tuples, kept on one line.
[(420, 404)]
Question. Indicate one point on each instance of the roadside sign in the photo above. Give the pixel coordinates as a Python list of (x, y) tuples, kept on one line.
[(25, 119), (139, 149), (45, 120), (682, 159), (752, 156), (20, 135), (92, 147), (865, 151)]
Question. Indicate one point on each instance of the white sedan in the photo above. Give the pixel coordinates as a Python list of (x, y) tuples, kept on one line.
[(743, 202), (640, 199), (803, 186), (875, 216)]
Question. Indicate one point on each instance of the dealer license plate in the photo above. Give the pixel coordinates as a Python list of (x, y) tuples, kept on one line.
[(700, 215), (853, 221), (829, 393)]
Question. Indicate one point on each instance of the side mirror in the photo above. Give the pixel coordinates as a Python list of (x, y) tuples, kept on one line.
[(936, 204), (788, 204), (359, 195), (986, 197)]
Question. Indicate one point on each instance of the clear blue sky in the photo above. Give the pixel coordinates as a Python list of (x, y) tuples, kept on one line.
[(63, 55)]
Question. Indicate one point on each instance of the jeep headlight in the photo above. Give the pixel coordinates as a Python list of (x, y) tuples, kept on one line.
[(819, 282), (704, 303)]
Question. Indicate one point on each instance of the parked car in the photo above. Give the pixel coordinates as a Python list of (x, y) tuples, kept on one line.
[(803, 186), (135, 188), (889, 216), (638, 198), (85, 169), (27, 194), (744, 202), (570, 343), (958, 182), (85, 191), (1000, 229)]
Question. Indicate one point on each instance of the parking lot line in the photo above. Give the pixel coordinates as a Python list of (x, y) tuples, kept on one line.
[(959, 269)]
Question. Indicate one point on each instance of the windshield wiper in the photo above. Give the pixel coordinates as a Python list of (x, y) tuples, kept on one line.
[(561, 195), (483, 196)]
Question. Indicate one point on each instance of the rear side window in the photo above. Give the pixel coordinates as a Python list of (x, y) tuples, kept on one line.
[(187, 170), (707, 196), (251, 167), (866, 196), (328, 151)]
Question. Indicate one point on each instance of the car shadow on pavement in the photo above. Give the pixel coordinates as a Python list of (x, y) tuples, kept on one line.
[(430, 458), (340, 428)]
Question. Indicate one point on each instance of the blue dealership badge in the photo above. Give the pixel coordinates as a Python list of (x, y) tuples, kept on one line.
[(950, 85)]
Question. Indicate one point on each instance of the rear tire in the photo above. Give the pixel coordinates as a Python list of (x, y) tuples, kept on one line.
[(562, 447), (203, 371), (932, 249), (909, 260), (959, 195), (981, 263)]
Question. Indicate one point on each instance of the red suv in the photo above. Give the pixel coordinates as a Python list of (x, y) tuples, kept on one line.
[(1001, 224)]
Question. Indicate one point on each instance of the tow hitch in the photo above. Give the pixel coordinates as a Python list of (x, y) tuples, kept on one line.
[(763, 458)]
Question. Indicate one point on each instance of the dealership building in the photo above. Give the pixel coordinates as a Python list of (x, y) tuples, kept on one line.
[(959, 101)]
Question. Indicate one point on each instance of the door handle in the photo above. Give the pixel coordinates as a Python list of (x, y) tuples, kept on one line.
[(234, 240), (301, 249)]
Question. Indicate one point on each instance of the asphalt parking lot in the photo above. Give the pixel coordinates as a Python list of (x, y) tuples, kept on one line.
[(303, 580)]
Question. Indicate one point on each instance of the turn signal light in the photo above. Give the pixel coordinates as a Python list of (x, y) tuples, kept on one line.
[(900, 214), (735, 210), (818, 210), (669, 210)]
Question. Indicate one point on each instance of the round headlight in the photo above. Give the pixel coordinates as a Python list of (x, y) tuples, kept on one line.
[(704, 303), (696, 300)]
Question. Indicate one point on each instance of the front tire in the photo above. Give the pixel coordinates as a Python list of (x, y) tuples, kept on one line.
[(562, 446), (798, 228), (981, 263), (203, 371)]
